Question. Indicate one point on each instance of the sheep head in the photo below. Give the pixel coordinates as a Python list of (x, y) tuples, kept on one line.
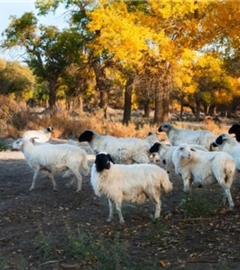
[(18, 144), (103, 161), (86, 136), (155, 148), (221, 139), (235, 128), (49, 129), (165, 127), (185, 151)]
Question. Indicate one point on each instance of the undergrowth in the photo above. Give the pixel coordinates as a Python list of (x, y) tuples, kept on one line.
[(200, 203), (16, 117), (85, 250)]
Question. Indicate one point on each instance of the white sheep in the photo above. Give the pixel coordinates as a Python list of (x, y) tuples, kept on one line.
[(152, 138), (230, 145), (122, 150), (132, 183), (177, 135), (39, 136), (53, 157), (204, 168), (165, 152)]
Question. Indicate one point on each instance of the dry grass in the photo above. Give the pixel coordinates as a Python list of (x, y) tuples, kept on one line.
[(16, 117)]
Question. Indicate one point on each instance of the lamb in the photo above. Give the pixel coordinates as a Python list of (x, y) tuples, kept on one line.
[(122, 150), (177, 136), (235, 129), (204, 168), (51, 158), (230, 145), (165, 152), (40, 136), (132, 183)]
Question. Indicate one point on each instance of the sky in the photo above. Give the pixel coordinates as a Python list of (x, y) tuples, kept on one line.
[(18, 8)]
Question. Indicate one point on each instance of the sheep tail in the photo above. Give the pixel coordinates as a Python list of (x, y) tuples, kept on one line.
[(166, 185)]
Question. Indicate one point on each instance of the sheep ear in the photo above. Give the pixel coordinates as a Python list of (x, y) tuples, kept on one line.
[(192, 149), (20, 142), (110, 158), (33, 140)]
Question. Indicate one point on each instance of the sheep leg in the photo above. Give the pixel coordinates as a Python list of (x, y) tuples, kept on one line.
[(67, 174), (110, 216), (50, 174), (157, 208), (119, 211), (36, 171), (79, 180), (186, 185), (71, 183), (227, 194)]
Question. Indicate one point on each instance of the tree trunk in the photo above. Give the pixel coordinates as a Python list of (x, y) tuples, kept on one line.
[(165, 104), (198, 110), (102, 86), (161, 103), (147, 108), (80, 104), (127, 101), (53, 87), (158, 112), (103, 104), (181, 109)]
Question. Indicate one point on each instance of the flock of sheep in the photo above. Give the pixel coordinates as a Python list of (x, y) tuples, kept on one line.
[(124, 169)]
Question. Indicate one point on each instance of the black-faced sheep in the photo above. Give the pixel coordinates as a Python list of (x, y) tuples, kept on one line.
[(177, 136), (122, 150), (230, 145), (235, 129), (165, 152), (132, 183), (51, 158), (204, 168)]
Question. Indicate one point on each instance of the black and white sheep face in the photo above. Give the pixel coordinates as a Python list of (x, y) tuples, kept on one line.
[(86, 136), (155, 148), (50, 129), (165, 127), (17, 145), (235, 129), (220, 140), (103, 161)]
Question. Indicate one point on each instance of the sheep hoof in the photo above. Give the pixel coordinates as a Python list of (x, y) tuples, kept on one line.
[(55, 189), (109, 220), (153, 218), (78, 190)]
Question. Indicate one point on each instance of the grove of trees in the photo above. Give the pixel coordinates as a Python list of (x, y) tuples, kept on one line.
[(143, 54)]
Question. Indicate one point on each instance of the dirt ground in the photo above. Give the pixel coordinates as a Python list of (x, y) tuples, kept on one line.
[(176, 241)]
